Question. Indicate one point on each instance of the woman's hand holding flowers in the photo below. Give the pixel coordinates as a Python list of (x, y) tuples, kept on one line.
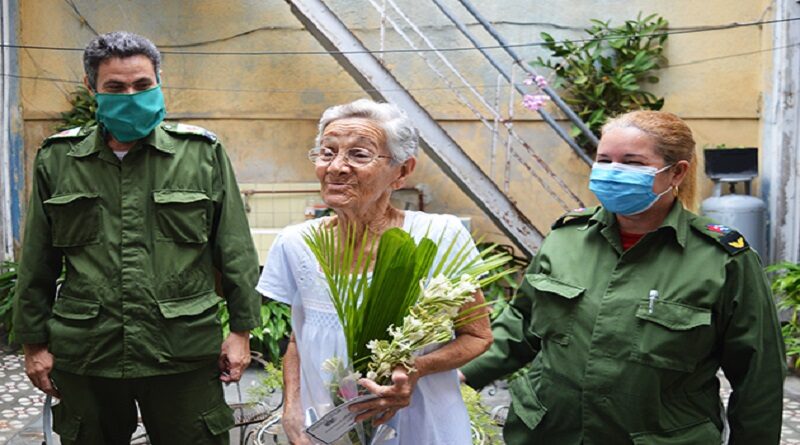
[(391, 398)]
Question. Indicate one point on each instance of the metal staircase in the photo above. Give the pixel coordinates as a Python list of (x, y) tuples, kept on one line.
[(367, 68)]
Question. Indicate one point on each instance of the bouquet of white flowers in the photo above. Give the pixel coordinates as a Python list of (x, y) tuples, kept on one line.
[(394, 312), (430, 321)]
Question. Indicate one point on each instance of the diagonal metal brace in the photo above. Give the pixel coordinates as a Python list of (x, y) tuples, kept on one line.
[(371, 75)]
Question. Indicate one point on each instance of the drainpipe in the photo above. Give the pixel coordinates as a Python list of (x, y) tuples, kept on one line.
[(6, 224)]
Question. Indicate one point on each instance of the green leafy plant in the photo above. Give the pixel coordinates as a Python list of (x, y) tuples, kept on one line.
[(366, 308), (484, 430), (503, 290), (604, 75), (275, 328), (276, 318), (368, 305), (786, 285), (82, 112), (270, 382), (8, 279)]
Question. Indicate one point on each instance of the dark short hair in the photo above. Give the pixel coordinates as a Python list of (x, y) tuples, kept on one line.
[(117, 44)]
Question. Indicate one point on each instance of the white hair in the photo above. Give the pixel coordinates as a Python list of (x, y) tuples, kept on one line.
[(402, 139)]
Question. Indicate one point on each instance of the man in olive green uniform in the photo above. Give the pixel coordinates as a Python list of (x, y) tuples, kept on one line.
[(625, 345), (143, 215)]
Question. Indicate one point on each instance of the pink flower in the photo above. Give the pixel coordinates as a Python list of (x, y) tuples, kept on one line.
[(347, 393), (534, 102), (540, 81)]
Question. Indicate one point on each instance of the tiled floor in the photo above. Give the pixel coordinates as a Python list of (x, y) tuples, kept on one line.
[(20, 402), (21, 405)]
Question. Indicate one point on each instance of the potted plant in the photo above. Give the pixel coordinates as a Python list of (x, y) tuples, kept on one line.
[(786, 286)]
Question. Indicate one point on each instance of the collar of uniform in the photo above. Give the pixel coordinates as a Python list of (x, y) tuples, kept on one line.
[(160, 139), (92, 143), (675, 221), (604, 217)]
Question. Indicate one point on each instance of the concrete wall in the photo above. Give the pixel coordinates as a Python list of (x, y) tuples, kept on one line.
[(265, 107)]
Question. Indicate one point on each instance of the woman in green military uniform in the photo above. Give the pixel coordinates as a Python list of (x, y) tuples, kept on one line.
[(629, 310)]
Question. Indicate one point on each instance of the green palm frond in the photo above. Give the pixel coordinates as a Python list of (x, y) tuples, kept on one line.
[(368, 304)]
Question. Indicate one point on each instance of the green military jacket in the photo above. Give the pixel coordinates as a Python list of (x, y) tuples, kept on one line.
[(608, 364), (141, 240)]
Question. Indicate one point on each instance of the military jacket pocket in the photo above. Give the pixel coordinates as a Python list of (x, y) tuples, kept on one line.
[(671, 335), (704, 432), (191, 328), (525, 403), (182, 216), (75, 219), (72, 322), (553, 309)]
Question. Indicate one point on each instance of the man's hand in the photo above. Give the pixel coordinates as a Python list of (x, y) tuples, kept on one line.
[(38, 363), (390, 398), (234, 356)]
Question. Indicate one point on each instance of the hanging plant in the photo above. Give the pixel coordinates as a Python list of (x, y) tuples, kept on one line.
[(606, 74)]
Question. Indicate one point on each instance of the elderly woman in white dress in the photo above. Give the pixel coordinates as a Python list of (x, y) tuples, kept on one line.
[(364, 151)]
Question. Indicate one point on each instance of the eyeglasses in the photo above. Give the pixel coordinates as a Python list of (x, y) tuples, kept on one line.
[(354, 157)]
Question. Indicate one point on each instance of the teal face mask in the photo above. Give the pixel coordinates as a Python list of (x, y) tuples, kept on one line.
[(131, 116)]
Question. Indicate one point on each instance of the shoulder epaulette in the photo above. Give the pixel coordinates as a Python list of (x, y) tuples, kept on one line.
[(729, 239), (191, 130), (72, 133), (574, 216)]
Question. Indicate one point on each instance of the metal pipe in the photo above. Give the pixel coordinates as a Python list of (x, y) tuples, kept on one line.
[(7, 235), (514, 56)]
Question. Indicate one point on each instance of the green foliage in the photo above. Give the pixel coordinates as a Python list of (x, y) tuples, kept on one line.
[(8, 279), (484, 430), (501, 291), (603, 76), (275, 328), (366, 306), (786, 285), (269, 384), (84, 106)]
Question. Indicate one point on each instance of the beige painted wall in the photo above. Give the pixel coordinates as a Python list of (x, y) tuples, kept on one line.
[(265, 107)]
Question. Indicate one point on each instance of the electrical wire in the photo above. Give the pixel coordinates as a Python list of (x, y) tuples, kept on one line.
[(301, 91), (692, 30)]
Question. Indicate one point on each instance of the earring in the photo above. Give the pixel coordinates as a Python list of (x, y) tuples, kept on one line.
[(675, 190)]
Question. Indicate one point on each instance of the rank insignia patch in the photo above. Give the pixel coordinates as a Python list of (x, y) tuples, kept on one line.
[(739, 243), (733, 242)]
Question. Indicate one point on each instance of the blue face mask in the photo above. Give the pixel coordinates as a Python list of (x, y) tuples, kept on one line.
[(625, 189)]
